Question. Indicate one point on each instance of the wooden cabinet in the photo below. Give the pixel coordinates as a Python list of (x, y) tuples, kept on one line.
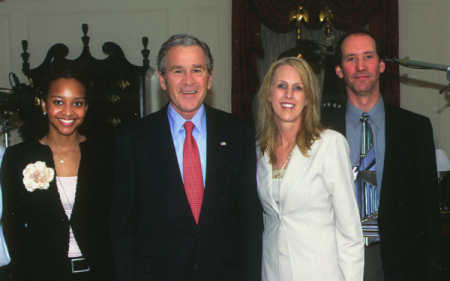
[(116, 87)]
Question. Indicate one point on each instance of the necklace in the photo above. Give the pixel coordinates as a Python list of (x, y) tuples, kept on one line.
[(62, 158), (278, 172)]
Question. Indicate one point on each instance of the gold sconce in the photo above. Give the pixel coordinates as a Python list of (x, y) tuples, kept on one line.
[(299, 15), (327, 16)]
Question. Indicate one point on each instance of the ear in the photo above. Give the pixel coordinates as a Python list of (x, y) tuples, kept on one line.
[(339, 71), (43, 106), (382, 66), (210, 79), (162, 81)]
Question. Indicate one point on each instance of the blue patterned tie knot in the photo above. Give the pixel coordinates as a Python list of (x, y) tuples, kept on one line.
[(366, 134)]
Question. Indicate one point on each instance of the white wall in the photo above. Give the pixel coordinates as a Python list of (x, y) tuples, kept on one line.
[(424, 28), (47, 22)]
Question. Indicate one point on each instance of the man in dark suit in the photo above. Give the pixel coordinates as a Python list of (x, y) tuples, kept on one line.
[(408, 211), (186, 217)]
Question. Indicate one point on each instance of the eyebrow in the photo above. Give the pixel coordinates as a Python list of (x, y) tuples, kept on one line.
[(284, 81), (61, 97), (176, 67), (354, 54), (182, 67), (199, 66)]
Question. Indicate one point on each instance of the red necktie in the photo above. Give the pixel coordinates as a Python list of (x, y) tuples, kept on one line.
[(192, 172)]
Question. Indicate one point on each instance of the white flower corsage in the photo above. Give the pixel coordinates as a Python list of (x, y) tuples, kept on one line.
[(37, 176)]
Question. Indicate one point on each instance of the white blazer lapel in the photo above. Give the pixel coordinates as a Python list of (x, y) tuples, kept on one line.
[(293, 171)]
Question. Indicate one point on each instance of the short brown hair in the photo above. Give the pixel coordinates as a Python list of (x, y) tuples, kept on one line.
[(357, 31)]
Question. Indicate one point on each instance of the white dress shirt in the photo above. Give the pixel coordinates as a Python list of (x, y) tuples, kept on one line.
[(179, 135)]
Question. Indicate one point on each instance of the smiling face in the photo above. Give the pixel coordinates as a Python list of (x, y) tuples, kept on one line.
[(360, 66), (65, 106), (287, 95), (186, 80)]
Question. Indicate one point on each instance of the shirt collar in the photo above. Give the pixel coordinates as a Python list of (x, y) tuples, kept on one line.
[(376, 113), (177, 121)]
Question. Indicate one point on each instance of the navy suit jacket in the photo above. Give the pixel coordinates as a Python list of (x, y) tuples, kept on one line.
[(409, 217), (155, 236)]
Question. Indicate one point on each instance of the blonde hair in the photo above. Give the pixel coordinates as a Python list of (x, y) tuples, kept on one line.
[(310, 127)]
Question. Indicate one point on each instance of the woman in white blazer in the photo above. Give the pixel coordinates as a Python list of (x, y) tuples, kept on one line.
[(312, 229)]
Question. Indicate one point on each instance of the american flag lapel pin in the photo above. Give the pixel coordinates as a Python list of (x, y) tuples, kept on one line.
[(223, 143)]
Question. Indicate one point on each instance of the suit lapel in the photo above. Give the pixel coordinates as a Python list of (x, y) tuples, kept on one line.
[(218, 137), (296, 164), (79, 206), (392, 153), (81, 212), (163, 152), (51, 196)]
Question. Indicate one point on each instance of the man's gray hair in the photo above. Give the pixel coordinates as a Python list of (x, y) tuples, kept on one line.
[(184, 40)]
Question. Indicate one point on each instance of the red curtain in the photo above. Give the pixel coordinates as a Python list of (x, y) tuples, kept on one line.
[(275, 14), (384, 24), (246, 47), (381, 15)]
